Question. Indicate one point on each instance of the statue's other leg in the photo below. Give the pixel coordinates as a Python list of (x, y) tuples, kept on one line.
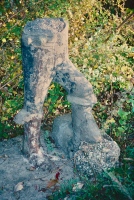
[(84, 125), (82, 98)]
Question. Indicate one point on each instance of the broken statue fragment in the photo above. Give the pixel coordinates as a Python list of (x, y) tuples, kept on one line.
[(45, 59)]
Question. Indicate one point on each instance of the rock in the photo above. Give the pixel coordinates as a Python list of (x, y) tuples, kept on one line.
[(92, 159), (62, 133)]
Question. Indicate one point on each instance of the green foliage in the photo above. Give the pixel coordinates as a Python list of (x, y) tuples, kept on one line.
[(56, 100), (66, 188), (106, 63)]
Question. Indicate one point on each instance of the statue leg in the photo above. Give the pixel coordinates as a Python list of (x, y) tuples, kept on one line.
[(37, 78), (80, 94), (31, 142), (44, 43)]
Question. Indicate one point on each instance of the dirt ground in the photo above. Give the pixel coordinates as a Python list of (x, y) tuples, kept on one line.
[(19, 180)]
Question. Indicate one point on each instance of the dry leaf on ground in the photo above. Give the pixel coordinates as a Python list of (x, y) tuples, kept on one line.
[(19, 186)]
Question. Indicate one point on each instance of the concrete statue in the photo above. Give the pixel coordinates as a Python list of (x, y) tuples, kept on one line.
[(45, 59)]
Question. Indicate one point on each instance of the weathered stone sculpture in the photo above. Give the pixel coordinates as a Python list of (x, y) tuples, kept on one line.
[(45, 59)]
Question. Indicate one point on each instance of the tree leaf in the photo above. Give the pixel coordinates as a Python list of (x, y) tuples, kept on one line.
[(52, 183)]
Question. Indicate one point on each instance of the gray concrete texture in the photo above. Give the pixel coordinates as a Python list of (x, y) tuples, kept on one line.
[(45, 59)]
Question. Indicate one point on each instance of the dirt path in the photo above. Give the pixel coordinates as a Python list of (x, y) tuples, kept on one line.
[(18, 180)]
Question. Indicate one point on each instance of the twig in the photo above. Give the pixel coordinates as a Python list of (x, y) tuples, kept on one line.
[(9, 81), (119, 185)]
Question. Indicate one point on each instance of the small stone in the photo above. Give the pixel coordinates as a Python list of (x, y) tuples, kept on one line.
[(19, 186)]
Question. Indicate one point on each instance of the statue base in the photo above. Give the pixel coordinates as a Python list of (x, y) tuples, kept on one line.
[(90, 158)]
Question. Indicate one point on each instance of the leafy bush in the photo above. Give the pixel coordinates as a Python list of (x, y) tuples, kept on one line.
[(97, 47)]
